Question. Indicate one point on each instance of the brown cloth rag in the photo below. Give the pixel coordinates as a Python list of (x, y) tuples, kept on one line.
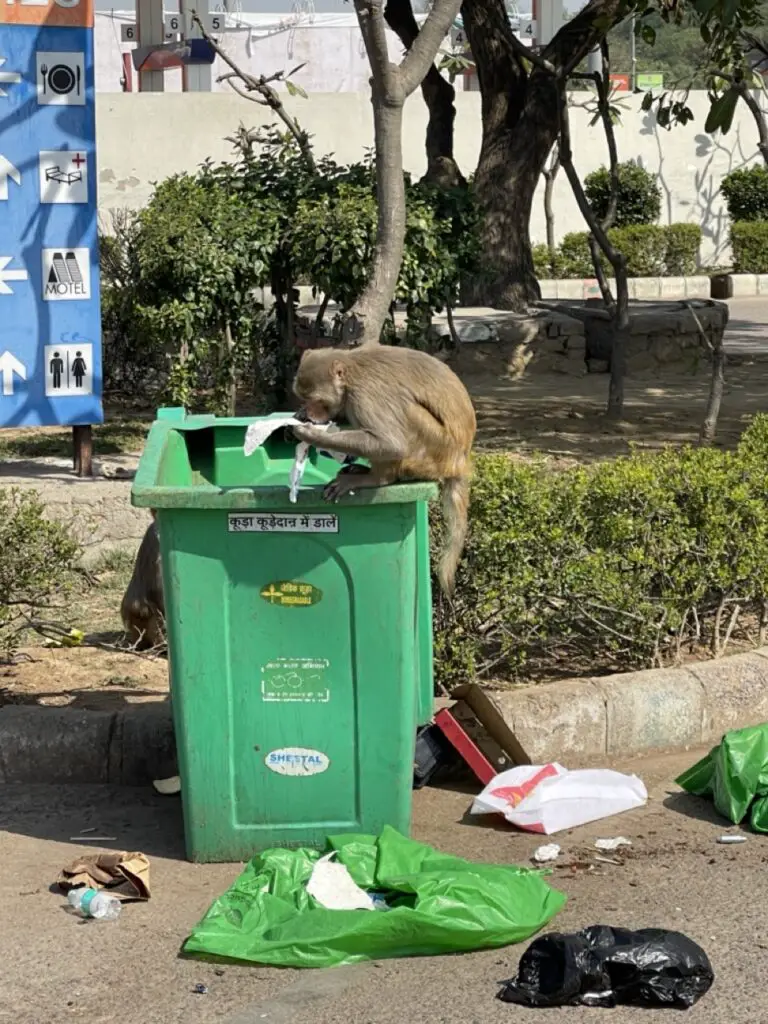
[(125, 875)]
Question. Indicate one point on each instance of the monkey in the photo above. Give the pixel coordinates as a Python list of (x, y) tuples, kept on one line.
[(412, 419), (143, 606)]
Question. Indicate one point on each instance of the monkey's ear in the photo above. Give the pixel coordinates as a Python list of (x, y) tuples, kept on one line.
[(338, 371)]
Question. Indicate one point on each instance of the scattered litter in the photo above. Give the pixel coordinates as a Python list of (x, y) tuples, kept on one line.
[(549, 798), (219, 972), (92, 903), (93, 839), (735, 775), (73, 638), (604, 966), (732, 839), (608, 860), (440, 904), (257, 433), (201, 989), (84, 831), (168, 787), (334, 888), (546, 853), (124, 875), (607, 845)]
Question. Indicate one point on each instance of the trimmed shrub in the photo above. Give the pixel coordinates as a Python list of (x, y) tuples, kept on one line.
[(639, 195), (610, 568), (746, 193), (650, 251), (749, 245), (37, 564), (681, 258)]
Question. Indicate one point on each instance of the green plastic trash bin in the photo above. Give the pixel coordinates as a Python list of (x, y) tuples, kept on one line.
[(300, 639)]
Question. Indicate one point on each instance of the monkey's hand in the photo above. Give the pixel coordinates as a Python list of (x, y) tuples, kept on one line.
[(310, 434), (344, 483)]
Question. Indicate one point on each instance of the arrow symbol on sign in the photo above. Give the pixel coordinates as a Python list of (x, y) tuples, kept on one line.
[(8, 77), (7, 170), (9, 275), (9, 365)]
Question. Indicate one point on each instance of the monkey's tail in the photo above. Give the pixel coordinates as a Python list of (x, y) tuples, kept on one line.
[(455, 506)]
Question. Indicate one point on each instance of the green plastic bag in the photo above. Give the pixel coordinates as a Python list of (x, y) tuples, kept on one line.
[(440, 904), (735, 775)]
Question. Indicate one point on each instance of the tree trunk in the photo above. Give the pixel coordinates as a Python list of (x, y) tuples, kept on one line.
[(507, 176), (439, 96), (520, 126), (372, 306), (550, 174)]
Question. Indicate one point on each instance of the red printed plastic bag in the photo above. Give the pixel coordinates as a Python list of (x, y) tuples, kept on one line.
[(548, 798)]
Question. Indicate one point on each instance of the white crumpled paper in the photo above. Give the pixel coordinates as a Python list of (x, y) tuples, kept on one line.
[(257, 433), (334, 888)]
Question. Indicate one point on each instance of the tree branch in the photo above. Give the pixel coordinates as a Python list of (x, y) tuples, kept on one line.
[(421, 55), (270, 96)]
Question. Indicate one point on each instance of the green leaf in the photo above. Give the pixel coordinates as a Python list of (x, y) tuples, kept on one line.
[(648, 34), (295, 90)]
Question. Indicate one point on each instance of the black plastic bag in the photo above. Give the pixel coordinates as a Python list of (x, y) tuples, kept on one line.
[(604, 966)]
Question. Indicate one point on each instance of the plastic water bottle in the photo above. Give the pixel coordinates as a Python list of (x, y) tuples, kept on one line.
[(92, 903)]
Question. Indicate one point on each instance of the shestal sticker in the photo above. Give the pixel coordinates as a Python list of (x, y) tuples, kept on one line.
[(297, 761)]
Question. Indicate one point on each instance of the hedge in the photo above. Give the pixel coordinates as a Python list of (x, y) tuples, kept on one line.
[(650, 251), (746, 194), (749, 246), (610, 568), (639, 198)]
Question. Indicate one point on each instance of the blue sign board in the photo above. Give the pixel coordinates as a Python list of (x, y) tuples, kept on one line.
[(50, 324)]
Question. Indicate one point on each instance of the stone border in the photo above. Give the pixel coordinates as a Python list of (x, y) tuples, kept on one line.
[(639, 288), (635, 712), (131, 747), (577, 719)]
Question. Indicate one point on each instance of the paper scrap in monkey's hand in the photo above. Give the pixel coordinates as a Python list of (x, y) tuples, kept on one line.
[(258, 432)]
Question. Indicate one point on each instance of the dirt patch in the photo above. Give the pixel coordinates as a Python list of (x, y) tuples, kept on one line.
[(83, 677), (562, 417), (96, 678)]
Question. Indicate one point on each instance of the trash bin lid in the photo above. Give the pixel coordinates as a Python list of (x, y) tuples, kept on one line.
[(197, 461)]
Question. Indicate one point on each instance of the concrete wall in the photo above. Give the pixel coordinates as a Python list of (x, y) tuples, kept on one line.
[(147, 136)]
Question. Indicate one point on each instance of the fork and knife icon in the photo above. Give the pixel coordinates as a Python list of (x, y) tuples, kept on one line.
[(61, 79)]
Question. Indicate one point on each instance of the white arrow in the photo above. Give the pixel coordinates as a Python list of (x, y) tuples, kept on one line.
[(7, 170), (9, 365), (9, 275), (8, 77)]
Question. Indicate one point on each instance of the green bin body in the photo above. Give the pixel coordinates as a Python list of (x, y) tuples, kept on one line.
[(300, 639)]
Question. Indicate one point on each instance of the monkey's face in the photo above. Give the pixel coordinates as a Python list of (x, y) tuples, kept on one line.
[(319, 385)]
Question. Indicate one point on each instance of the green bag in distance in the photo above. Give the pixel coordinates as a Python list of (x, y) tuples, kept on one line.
[(735, 775), (440, 904)]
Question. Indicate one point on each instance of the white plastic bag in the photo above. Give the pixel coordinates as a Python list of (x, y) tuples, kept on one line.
[(548, 798)]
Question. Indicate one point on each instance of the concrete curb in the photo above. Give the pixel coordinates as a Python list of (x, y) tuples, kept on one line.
[(64, 745), (621, 714), (639, 288), (638, 711)]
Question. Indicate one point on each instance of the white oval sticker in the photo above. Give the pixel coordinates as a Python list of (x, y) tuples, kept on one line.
[(296, 761)]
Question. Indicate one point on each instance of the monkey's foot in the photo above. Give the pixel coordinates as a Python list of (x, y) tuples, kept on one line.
[(355, 469)]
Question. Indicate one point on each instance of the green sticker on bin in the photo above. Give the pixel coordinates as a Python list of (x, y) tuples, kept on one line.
[(291, 593)]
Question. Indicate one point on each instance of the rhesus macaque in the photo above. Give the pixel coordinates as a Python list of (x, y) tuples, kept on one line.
[(412, 420), (143, 606)]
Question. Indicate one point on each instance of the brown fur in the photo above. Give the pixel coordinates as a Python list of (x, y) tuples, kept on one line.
[(143, 606), (412, 420)]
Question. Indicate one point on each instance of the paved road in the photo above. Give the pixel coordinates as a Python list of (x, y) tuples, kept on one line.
[(57, 969), (747, 330)]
